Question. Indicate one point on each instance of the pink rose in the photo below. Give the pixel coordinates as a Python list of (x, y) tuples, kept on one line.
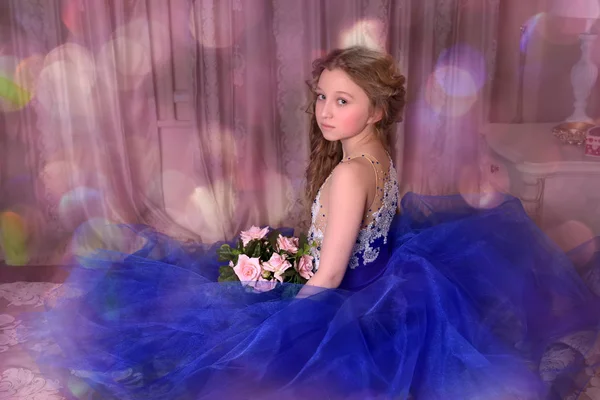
[(247, 269), (263, 285), (278, 265), (287, 244), (253, 233), (305, 267)]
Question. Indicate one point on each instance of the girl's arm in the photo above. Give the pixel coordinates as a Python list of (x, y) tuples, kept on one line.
[(345, 208)]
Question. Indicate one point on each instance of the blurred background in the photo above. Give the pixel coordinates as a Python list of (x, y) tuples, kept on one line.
[(189, 116)]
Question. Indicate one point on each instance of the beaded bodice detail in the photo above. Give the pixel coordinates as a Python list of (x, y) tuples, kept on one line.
[(376, 222)]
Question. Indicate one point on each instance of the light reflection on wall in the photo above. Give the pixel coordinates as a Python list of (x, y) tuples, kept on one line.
[(366, 32)]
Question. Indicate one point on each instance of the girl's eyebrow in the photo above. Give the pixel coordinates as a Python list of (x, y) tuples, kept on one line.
[(339, 91)]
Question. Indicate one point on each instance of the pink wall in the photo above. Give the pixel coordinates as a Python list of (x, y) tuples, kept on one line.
[(552, 50)]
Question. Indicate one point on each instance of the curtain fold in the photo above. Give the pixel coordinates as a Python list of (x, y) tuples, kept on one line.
[(190, 116)]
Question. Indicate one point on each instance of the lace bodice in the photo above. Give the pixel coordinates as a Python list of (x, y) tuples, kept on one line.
[(376, 222)]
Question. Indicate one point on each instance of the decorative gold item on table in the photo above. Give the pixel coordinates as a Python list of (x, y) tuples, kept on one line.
[(572, 132)]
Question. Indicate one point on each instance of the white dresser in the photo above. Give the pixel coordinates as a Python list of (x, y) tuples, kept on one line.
[(558, 185)]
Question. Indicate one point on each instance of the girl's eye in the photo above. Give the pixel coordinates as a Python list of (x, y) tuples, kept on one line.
[(320, 97), (342, 102)]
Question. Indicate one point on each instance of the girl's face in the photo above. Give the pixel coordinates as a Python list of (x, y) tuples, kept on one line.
[(342, 109)]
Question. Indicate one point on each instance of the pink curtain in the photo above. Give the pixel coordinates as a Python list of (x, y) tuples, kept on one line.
[(190, 115)]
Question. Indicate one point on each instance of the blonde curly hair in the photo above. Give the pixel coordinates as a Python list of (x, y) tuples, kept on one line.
[(378, 75)]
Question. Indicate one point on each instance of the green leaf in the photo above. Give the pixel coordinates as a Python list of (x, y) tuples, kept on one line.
[(225, 253), (272, 237), (267, 275), (267, 245), (266, 254), (289, 275), (227, 274), (249, 249), (302, 251), (224, 247), (227, 279), (302, 240), (226, 270), (257, 250)]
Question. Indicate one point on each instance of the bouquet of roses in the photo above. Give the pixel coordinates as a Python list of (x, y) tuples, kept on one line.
[(264, 257)]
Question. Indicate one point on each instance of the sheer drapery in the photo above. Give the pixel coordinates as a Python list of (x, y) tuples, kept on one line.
[(191, 116)]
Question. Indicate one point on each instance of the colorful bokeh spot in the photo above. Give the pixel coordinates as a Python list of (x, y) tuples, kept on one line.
[(13, 238), (13, 93), (368, 33), (455, 85), (98, 234), (529, 28), (78, 205), (78, 387)]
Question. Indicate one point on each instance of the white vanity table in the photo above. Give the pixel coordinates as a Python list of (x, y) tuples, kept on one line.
[(532, 155)]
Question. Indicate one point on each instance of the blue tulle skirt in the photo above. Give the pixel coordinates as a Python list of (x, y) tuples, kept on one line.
[(472, 304)]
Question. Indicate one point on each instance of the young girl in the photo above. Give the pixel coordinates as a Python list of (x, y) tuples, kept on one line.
[(358, 94), (442, 302)]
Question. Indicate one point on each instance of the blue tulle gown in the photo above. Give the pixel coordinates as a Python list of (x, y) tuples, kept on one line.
[(442, 301)]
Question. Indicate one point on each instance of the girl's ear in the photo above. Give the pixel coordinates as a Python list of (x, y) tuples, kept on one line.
[(376, 115)]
